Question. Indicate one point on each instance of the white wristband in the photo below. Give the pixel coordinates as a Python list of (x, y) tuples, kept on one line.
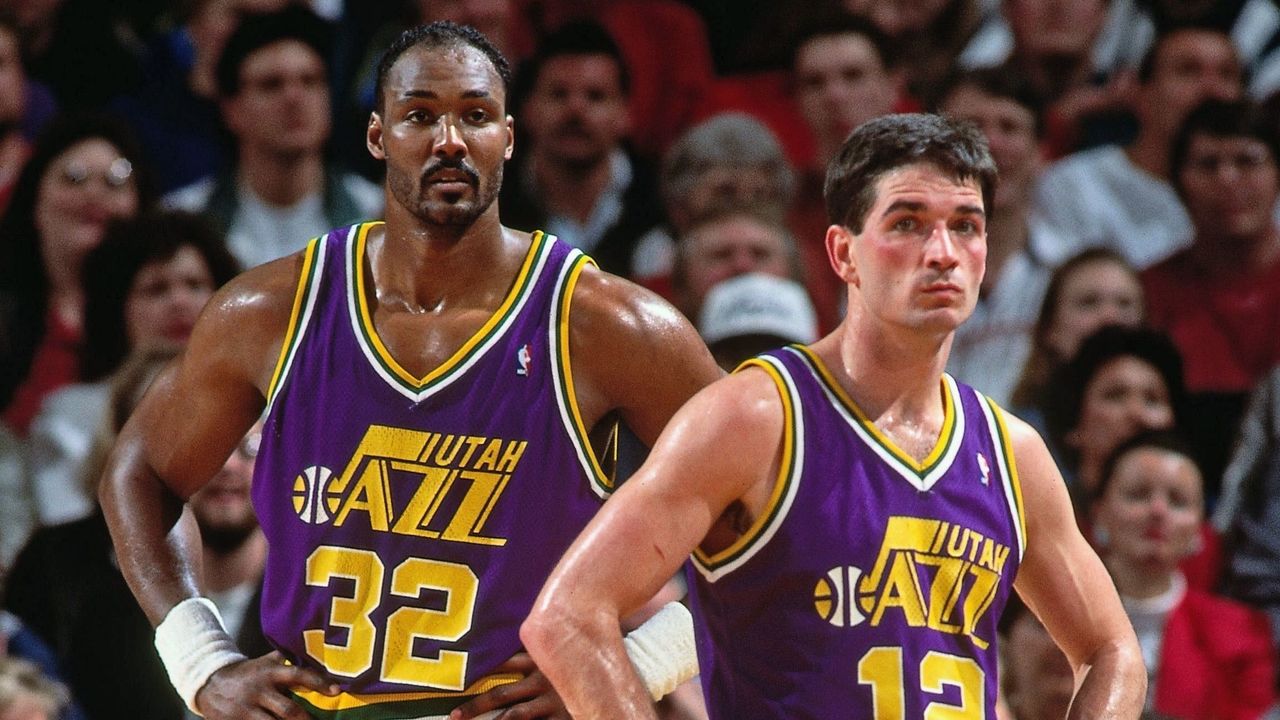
[(193, 644), (663, 650)]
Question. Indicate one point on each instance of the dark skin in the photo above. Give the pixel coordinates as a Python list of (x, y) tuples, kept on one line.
[(439, 268)]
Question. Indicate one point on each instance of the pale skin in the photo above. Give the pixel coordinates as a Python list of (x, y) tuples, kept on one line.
[(913, 274), (436, 279)]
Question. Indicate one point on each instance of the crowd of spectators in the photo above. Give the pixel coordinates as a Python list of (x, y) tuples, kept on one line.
[(151, 150)]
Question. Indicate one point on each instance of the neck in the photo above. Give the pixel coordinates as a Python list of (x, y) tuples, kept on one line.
[(1006, 237), (423, 268), (1229, 256), (571, 189), (280, 179), (1139, 581), (1150, 151), (227, 569)]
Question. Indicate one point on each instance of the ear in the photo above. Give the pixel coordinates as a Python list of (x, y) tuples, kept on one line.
[(373, 137), (840, 253), (511, 138)]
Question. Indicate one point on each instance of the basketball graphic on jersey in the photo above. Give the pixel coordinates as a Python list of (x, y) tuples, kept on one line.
[(309, 495), (831, 597)]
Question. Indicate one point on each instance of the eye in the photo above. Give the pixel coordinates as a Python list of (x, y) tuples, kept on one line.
[(906, 224), (967, 227), (478, 116), (417, 116)]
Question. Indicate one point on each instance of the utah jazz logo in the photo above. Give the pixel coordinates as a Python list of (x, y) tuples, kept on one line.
[(410, 482), (928, 573), (308, 495)]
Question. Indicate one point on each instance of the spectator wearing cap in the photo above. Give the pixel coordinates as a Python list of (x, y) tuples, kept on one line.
[(749, 314), (273, 95)]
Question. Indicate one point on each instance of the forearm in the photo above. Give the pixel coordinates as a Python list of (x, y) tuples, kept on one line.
[(1114, 685), (583, 655), (157, 544)]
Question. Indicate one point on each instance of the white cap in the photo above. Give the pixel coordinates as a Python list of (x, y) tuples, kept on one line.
[(758, 304)]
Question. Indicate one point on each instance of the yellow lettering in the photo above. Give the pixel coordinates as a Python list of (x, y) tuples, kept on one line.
[(372, 495), (512, 456), (475, 508), (429, 446), (944, 592), (424, 503), (902, 590), (955, 543), (939, 538), (1002, 554), (472, 441), (979, 599), (489, 456), (988, 555), (975, 541), (452, 443)]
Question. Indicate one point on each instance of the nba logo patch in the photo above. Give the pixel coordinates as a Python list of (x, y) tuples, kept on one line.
[(523, 359), (984, 468)]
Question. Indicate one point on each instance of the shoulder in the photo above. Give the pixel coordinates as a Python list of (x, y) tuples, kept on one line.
[(605, 301), (191, 197), (1085, 166)]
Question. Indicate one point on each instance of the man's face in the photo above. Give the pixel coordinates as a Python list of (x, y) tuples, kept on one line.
[(577, 113), (1191, 66), (840, 83), (728, 247), (922, 252), (282, 106), (444, 133), (1054, 28), (13, 84), (1010, 129), (1229, 186), (223, 508)]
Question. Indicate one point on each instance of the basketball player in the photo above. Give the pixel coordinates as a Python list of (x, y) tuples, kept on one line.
[(857, 517), (429, 385)]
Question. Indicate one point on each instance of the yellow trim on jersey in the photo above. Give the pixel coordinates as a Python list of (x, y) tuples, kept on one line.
[(299, 300), (349, 701), (785, 468), (1012, 463), (566, 371), (517, 288), (944, 435)]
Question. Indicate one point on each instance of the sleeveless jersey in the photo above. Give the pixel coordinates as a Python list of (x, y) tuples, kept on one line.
[(871, 586), (412, 521)]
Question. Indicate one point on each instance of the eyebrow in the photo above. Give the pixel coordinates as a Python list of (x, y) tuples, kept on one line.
[(431, 95), (913, 206)]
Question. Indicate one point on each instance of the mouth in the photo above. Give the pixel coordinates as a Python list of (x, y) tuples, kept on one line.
[(451, 179)]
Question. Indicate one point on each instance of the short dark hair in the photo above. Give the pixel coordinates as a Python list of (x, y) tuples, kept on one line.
[(111, 269), (1147, 66), (258, 30), (1169, 441), (439, 34), (998, 82), (841, 23), (1222, 119), (889, 142), (1066, 394), (580, 37)]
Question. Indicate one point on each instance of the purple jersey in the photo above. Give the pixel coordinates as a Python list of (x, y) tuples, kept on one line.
[(871, 586), (412, 521)]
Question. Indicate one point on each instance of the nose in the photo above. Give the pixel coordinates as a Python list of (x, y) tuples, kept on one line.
[(940, 248), (449, 142)]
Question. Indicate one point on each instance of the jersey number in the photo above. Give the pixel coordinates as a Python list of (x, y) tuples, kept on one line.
[(881, 668), (446, 670)]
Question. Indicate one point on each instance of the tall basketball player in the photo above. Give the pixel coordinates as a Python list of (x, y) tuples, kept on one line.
[(430, 385), (857, 517)]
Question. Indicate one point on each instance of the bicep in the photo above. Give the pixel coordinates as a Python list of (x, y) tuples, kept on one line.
[(1061, 578)]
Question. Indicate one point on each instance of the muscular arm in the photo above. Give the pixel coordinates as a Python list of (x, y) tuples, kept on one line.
[(633, 353), (719, 448), (185, 427), (1065, 584)]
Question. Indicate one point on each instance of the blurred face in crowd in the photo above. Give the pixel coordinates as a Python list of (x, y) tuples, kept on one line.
[(1055, 28), (166, 298), (726, 186), (1152, 509), (727, 247), (1229, 186), (1010, 129), (223, 508), (1126, 395), (13, 85), (840, 83), (1190, 66), (577, 112), (491, 17), (282, 106), (897, 18), (1096, 294), (1037, 677), (82, 190), (444, 133)]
